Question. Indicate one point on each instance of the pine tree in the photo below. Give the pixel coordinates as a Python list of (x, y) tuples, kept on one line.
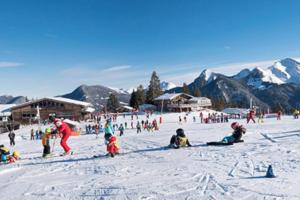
[(185, 89), (196, 92), (154, 89), (133, 100), (112, 103), (140, 94)]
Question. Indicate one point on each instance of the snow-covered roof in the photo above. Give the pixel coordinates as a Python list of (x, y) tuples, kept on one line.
[(6, 107), (60, 99), (170, 96)]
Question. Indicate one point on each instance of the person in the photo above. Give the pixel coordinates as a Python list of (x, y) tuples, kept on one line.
[(4, 152), (11, 136), (32, 134), (296, 114), (238, 131), (138, 127), (179, 140), (261, 118), (37, 134), (279, 113), (108, 129), (46, 142), (14, 157), (121, 129), (64, 129), (251, 116), (112, 145)]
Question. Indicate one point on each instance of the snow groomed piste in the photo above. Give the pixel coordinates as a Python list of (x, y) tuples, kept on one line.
[(146, 169)]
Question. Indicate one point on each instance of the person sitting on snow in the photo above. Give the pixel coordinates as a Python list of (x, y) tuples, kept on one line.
[(14, 157), (237, 134), (112, 145), (46, 142), (179, 140), (4, 153)]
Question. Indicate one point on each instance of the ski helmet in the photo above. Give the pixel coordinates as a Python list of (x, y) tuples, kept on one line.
[(180, 132), (234, 125), (16, 154), (48, 130)]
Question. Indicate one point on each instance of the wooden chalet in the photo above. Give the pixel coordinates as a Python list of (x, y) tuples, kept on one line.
[(60, 107), (181, 102)]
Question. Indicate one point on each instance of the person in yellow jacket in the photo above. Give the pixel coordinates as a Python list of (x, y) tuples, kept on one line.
[(46, 142), (296, 113), (179, 140), (14, 157)]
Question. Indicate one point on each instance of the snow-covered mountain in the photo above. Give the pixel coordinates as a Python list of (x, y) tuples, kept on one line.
[(287, 70), (276, 85), (164, 85)]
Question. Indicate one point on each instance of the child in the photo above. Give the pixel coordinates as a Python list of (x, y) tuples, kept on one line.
[(108, 129), (4, 152), (121, 129), (14, 157), (179, 140), (238, 131), (112, 145), (46, 142)]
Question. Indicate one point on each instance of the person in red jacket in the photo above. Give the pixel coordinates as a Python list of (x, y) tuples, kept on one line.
[(112, 145), (65, 131), (251, 116)]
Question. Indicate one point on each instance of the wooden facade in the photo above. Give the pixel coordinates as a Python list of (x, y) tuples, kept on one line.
[(27, 113)]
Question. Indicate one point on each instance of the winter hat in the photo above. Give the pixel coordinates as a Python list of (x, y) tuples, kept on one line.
[(234, 125)]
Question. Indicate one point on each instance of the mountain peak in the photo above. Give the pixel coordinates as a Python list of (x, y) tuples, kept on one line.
[(164, 85)]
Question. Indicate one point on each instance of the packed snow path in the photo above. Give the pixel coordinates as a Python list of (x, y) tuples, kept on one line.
[(146, 170)]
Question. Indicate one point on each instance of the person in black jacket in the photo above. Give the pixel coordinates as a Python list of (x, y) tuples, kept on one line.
[(11, 136), (179, 140)]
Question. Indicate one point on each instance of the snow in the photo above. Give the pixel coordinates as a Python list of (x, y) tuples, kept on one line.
[(242, 74), (145, 170), (164, 85), (170, 96), (287, 70), (6, 107)]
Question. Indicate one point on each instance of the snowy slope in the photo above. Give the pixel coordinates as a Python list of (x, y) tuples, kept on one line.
[(145, 170)]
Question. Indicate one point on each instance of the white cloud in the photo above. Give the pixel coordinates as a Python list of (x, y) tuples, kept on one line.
[(118, 68), (9, 64)]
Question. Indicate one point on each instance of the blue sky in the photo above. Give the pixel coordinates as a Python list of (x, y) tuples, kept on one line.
[(50, 47)]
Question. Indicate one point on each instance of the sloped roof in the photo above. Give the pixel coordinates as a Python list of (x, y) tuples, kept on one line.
[(170, 96), (59, 99)]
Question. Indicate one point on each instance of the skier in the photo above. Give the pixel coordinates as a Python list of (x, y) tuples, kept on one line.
[(261, 118), (108, 129), (238, 131), (179, 140), (112, 145), (138, 127), (46, 143), (11, 136), (64, 129), (32, 134), (121, 129), (251, 116), (279, 113)]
